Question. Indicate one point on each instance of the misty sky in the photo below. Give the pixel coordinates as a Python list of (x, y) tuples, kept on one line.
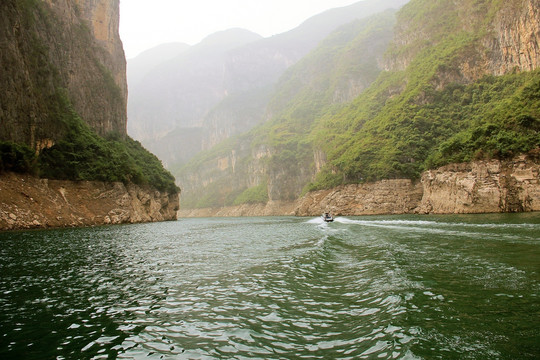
[(145, 24)]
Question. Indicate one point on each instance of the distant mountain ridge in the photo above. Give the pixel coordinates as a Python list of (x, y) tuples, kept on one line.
[(207, 93), (145, 62), (178, 92)]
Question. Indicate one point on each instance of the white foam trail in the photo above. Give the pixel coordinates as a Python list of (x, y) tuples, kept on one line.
[(317, 220), (432, 223)]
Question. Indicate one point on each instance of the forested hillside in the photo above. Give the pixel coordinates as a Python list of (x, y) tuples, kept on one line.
[(458, 81)]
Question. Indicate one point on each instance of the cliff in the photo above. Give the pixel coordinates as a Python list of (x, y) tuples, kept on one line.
[(477, 187), (63, 116), (506, 37), (27, 203), (53, 49), (440, 82)]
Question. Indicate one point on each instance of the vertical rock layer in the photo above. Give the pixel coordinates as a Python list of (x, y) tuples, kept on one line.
[(493, 186), (53, 52), (61, 60)]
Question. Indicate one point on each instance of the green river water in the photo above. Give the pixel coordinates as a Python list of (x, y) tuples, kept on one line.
[(388, 287)]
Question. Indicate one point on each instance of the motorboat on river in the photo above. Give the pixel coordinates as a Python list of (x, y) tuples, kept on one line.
[(327, 217)]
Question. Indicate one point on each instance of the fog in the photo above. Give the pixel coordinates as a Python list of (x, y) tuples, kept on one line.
[(145, 24)]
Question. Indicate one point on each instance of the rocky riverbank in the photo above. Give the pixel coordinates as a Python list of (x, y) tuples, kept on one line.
[(27, 202), (492, 186)]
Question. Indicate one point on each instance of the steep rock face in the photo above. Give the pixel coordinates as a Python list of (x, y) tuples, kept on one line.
[(515, 40), (511, 40), (27, 202), (54, 49), (483, 187), (209, 174), (383, 197), (478, 187)]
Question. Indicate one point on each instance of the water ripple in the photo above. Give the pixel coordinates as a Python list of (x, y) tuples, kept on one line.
[(272, 288)]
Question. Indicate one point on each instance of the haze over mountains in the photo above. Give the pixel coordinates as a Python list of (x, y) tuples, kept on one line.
[(388, 96), (183, 100)]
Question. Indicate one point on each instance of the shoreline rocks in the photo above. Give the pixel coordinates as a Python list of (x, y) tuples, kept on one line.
[(27, 202)]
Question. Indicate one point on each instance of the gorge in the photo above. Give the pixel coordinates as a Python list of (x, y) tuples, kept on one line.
[(391, 98)]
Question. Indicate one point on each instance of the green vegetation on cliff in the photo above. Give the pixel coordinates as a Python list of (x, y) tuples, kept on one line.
[(17, 158), (53, 72), (81, 154), (440, 99), (493, 117)]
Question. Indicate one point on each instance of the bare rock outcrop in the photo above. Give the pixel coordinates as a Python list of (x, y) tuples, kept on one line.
[(27, 202), (492, 186), (53, 52), (399, 196), (482, 187)]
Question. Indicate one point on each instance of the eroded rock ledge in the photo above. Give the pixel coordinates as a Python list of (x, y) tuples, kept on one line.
[(478, 187), (27, 202)]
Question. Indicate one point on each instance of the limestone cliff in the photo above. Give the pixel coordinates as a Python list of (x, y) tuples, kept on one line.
[(478, 187), (27, 202), (483, 187), (61, 48), (63, 88), (509, 40), (383, 197)]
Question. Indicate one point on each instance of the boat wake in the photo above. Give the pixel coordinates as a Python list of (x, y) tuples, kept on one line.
[(509, 231)]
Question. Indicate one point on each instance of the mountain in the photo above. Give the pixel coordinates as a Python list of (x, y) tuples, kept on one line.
[(452, 81), (219, 92), (63, 105), (140, 66), (180, 91), (48, 47), (337, 71)]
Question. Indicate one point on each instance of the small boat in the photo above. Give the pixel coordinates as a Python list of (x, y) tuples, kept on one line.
[(327, 217)]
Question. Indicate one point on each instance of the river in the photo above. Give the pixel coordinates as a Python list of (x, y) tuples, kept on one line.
[(380, 287)]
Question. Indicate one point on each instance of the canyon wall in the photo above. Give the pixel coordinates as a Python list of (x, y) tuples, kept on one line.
[(27, 203), (58, 52), (493, 186), (62, 63), (478, 187), (483, 187), (510, 38)]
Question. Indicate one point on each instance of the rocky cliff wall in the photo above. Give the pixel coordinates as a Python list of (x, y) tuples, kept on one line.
[(478, 187), (61, 48), (515, 38), (400, 196), (510, 40), (27, 202), (483, 187)]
